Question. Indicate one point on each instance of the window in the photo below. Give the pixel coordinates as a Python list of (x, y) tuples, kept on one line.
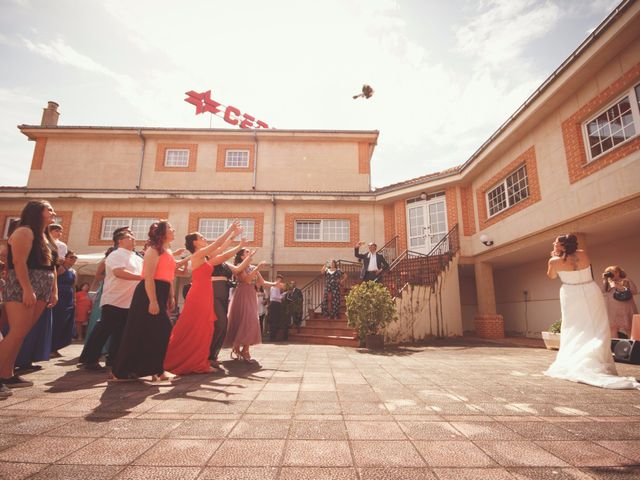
[(139, 226), (236, 159), (615, 125), (510, 191), (322, 230), (212, 228), (7, 222), (176, 158)]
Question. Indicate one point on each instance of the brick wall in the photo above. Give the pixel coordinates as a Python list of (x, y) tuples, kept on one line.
[(468, 213), (389, 214), (161, 151), (452, 207), (222, 151), (529, 159), (574, 145)]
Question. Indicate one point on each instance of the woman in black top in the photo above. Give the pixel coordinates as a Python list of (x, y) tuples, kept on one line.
[(30, 286)]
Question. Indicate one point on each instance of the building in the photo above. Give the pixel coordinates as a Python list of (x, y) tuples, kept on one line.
[(568, 160)]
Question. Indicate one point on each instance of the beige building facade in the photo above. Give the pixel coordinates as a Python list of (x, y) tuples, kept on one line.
[(567, 161)]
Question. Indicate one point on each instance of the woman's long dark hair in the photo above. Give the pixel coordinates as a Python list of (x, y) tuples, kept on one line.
[(238, 258), (189, 239), (157, 235), (31, 217), (569, 243)]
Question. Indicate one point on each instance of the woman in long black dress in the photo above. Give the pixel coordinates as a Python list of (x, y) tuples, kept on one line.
[(146, 334)]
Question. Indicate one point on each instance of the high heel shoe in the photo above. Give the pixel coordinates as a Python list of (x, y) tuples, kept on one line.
[(235, 354)]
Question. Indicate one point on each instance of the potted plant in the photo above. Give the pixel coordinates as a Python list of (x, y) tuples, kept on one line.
[(552, 336), (370, 308)]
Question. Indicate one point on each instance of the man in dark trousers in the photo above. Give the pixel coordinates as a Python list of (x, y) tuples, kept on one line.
[(276, 312), (373, 263), (123, 272), (294, 299)]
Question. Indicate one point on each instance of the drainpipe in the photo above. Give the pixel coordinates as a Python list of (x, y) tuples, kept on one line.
[(255, 161), (144, 142), (273, 238)]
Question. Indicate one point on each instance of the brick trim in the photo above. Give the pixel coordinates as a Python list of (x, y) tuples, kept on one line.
[(98, 217), (38, 154), (451, 201), (64, 214), (389, 215), (528, 158), (400, 208), (161, 151), (468, 213), (574, 145), (364, 164), (291, 218), (222, 152), (258, 222), (489, 326)]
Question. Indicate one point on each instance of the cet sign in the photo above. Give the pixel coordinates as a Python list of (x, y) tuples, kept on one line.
[(230, 114)]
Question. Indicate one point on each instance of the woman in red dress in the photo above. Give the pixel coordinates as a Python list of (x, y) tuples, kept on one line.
[(83, 309), (188, 350)]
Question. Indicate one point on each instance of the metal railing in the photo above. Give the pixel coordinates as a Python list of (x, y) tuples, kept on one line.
[(313, 291), (420, 269), (390, 250)]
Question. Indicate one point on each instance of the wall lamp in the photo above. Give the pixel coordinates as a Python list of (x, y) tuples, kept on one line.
[(423, 196), (486, 240)]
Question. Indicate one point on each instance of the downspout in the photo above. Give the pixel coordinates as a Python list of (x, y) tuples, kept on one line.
[(144, 143), (273, 238), (255, 161)]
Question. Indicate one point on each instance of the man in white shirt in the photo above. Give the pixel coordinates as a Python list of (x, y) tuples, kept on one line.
[(56, 233), (275, 309), (123, 272), (373, 263)]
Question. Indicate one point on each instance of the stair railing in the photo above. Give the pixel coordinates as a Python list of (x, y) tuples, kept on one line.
[(419, 269)]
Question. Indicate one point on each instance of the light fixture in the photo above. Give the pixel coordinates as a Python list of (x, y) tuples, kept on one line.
[(486, 240), (423, 196)]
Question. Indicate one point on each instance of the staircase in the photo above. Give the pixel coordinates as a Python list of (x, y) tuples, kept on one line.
[(406, 268)]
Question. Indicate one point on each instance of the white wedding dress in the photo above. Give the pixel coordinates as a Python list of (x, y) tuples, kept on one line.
[(585, 339)]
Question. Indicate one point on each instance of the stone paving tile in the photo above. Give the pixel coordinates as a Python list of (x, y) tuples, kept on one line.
[(18, 471), (375, 453), (396, 474), (627, 448), (7, 441), (614, 473), (540, 431), (584, 453), (110, 451), (453, 454), (43, 449), (212, 428), (179, 452), (261, 429), (330, 453), (248, 453), (78, 472), (549, 474), (485, 431), (143, 428), (472, 474), (316, 473), (375, 430), (32, 425), (520, 454), (604, 431), (430, 430), (239, 473), (318, 430), (158, 473)]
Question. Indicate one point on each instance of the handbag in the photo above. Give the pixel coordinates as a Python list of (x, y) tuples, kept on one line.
[(622, 295)]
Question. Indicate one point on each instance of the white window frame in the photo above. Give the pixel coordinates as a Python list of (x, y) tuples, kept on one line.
[(508, 196), (323, 230), (139, 231), (248, 224), (235, 162), (7, 220), (178, 161), (633, 95)]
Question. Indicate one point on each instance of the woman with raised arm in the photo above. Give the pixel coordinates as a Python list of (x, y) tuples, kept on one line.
[(30, 284), (146, 334), (585, 342), (244, 325), (188, 350)]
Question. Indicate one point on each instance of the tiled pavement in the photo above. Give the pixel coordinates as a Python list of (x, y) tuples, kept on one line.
[(445, 410)]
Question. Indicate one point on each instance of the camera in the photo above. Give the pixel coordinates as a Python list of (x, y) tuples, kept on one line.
[(608, 275)]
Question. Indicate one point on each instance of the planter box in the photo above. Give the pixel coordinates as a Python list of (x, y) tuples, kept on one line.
[(374, 342), (551, 340)]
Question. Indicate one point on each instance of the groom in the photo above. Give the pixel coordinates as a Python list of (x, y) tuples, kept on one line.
[(373, 263)]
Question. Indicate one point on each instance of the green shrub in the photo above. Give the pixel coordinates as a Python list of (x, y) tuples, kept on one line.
[(370, 308), (555, 327)]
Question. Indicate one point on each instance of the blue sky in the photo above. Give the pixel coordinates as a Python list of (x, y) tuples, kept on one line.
[(446, 74)]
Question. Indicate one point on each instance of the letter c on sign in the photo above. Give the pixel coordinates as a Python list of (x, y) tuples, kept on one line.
[(227, 115)]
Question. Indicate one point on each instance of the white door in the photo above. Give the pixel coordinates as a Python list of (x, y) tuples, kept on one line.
[(426, 224)]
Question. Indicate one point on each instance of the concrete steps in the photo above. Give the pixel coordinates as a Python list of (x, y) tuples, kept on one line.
[(324, 331)]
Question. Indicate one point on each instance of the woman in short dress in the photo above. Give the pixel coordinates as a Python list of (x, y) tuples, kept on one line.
[(146, 334), (619, 291), (30, 284)]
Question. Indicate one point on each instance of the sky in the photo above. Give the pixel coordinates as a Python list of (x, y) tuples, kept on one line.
[(446, 75)]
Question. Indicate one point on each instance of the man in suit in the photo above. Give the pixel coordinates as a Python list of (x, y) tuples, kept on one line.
[(295, 299), (373, 263)]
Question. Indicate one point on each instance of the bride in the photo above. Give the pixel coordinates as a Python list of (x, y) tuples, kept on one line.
[(585, 341)]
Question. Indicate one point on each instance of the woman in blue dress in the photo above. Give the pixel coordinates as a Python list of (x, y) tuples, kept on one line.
[(64, 311)]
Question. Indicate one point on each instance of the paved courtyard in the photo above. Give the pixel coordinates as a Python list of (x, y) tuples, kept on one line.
[(443, 410)]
